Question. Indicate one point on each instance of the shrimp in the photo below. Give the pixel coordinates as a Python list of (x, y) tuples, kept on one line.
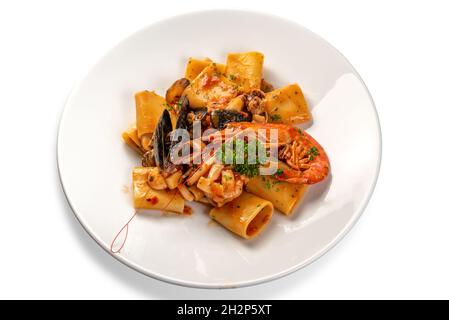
[(306, 159)]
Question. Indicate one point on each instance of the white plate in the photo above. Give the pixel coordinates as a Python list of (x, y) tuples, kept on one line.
[(95, 165)]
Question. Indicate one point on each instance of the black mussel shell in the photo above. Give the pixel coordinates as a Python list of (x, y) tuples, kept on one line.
[(161, 141), (220, 117)]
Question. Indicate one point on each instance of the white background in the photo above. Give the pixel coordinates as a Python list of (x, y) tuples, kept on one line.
[(398, 249)]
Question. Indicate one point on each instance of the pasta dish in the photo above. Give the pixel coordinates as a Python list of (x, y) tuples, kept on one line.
[(225, 137)]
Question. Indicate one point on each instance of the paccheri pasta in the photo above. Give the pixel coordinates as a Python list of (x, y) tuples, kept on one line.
[(224, 136)]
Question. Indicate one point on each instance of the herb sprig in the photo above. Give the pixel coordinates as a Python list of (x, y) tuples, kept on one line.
[(313, 152), (239, 157), (275, 117)]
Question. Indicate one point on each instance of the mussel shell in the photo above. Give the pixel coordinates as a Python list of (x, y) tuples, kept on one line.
[(148, 159), (183, 111), (176, 89), (161, 141), (200, 114), (221, 117), (182, 122)]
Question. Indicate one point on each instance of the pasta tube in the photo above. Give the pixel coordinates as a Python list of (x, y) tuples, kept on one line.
[(149, 108), (131, 139), (195, 66), (210, 89), (287, 105), (283, 195), (148, 198), (246, 216), (245, 69)]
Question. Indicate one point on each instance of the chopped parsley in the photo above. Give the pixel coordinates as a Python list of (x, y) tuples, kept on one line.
[(313, 152), (232, 77), (249, 170), (238, 159), (268, 184), (279, 172), (275, 117)]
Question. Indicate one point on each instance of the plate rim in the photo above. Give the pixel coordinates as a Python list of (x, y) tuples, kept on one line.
[(195, 284)]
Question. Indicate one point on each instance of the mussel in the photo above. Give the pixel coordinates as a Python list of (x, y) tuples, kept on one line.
[(187, 116), (221, 117), (183, 111), (182, 123), (148, 159), (174, 93), (161, 141), (198, 115)]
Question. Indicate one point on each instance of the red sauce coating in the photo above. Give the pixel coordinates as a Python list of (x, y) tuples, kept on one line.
[(153, 200), (187, 210)]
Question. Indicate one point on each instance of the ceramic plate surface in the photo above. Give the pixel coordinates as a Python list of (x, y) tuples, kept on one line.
[(95, 165)]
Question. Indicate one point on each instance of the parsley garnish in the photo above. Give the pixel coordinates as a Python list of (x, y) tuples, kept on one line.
[(232, 77), (275, 117), (268, 184), (240, 151), (249, 170), (279, 172), (313, 152)]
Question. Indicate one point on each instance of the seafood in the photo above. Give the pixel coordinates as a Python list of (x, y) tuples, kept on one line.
[(161, 141), (254, 102), (176, 90), (224, 136), (211, 182), (183, 111), (148, 159), (220, 185), (221, 117), (307, 160), (198, 115)]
